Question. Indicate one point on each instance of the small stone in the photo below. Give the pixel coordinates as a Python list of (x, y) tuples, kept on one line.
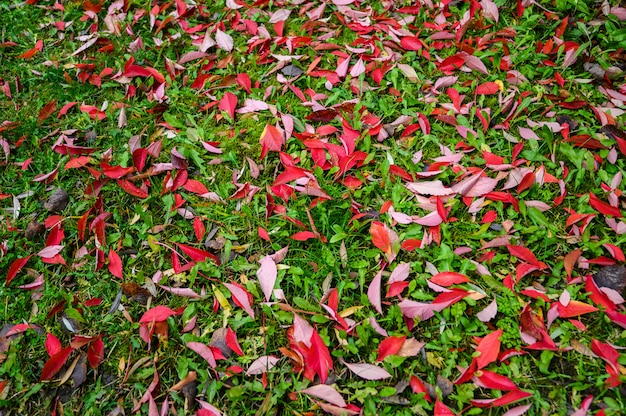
[(613, 277)]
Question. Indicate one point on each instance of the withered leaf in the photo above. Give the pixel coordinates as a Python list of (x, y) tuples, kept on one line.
[(57, 201)]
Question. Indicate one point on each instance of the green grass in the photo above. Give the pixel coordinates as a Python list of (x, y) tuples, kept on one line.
[(345, 257)]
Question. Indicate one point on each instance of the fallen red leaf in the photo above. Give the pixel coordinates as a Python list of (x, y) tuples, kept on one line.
[(271, 139), (15, 267), (390, 346), (449, 278), (115, 264), (54, 363), (318, 358), (157, 314), (95, 352)]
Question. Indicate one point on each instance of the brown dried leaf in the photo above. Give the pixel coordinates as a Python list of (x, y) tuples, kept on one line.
[(57, 201)]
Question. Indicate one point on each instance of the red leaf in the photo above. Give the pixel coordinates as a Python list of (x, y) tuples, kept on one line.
[(491, 380), (510, 397), (418, 387), (574, 308), (606, 352), (263, 234), (487, 88), (271, 139), (198, 228), (47, 110), (15, 267), (526, 255), (380, 236), (66, 108), (318, 357), (411, 43), (615, 251), (231, 341), (489, 347), (603, 207), (115, 264), (196, 187), (115, 172), (228, 103), (131, 189), (157, 314), (390, 346), (303, 236), (442, 410), (449, 278), (196, 254), (54, 363), (53, 345), (243, 80), (95, 352)]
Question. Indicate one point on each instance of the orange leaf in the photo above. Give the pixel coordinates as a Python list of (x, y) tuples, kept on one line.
[(380, 236), (574, 308), (569, 261), (487, 88), (47, 110), (489, 347)]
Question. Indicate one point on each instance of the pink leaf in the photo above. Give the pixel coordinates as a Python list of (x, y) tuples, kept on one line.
[(302, 331), (224, 41), (327, 393), (262, 365), (368, 371), (400, 273), (490, 10), (435, 188), (50, 251), (373, 292), (204, 351), (518, 411), (241, 296), (488, 313), (267, 276)]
